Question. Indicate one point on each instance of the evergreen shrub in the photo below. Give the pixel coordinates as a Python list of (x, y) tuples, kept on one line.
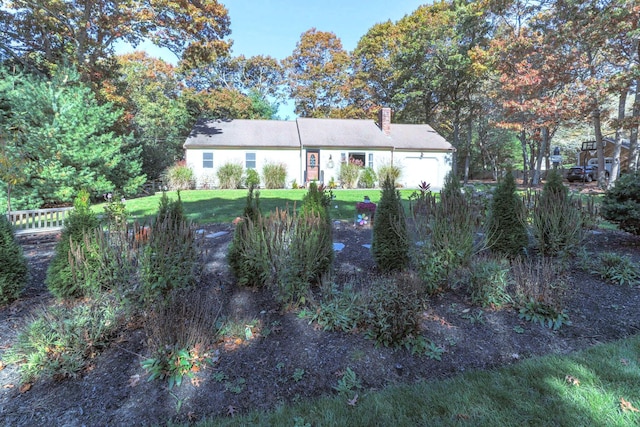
[(252, 178), (61, 280), (621, 203), (14, 272), (507, 230), (390, 244), (556, 221)]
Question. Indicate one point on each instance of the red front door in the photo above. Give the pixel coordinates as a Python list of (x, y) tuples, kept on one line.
[(313, 165)]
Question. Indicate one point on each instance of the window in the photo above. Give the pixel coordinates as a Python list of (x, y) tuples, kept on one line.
[(358, 158), (250, 160), (207, 160), (370, 160)]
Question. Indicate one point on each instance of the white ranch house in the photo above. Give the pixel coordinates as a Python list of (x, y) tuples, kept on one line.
[(313, 149)]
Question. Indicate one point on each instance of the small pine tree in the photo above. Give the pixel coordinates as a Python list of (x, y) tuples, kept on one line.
[(621, 203), (390, 245), (14, 271), (60, 279), (507, 232)]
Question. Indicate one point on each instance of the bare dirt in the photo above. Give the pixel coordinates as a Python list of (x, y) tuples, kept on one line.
[(288, 359)]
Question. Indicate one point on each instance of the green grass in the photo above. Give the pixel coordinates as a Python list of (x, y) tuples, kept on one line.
[(537, 392), (222, 206)]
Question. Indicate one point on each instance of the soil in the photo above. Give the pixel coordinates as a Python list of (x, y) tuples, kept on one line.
[(288, 359)]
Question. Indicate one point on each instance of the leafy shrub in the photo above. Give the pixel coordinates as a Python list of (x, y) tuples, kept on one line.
[(181, 334), (393, 313), (621, 203), (540, 286), (60, 341), (230, 176), (389, 172), (172, 258), (488, 282), (390, 244), (616, 268), (556, 222), (432, 270), (275, 175), (506, 230), (350, 173), (339, 310), (180, 177), (315, 225), (14, 273), (368, 178), (252, 178), (60, 279)]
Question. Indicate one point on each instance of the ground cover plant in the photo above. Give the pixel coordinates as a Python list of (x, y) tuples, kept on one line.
[(216, 350)]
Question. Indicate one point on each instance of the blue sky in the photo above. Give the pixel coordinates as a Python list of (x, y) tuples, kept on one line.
[(273, 27)]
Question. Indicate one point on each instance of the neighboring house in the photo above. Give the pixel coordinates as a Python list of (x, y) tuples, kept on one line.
[(589, 152), (313, 149)]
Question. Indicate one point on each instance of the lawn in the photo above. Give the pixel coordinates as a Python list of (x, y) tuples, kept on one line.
[(223, 206), (595, 387)]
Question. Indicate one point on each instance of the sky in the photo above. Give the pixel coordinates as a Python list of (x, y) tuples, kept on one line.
[(273, 27)]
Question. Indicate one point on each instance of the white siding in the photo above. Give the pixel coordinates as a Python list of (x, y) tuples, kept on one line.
[(206, 178), (418, 167)]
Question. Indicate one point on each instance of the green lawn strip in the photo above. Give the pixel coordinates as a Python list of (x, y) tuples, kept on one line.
[(223, 206), (581, 389)]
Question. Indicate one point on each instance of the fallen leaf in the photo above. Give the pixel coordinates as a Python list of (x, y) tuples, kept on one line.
[(627, 406), (2, 365), (8, 386), (231, 410), (353, 401), (462, 416), (25, 387), (134, 380), (572, 380), (196, 381)]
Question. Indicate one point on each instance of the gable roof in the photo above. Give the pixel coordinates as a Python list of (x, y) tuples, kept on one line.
[(306, 132)]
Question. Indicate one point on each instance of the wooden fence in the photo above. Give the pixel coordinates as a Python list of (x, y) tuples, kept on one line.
[(38, 220)]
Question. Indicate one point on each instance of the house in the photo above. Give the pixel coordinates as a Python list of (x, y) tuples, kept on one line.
[(588, 153), (313, 149)]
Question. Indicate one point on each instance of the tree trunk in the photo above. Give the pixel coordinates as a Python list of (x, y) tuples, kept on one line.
[(615, 167), (467, 161), (525, 159), (633, 134), (541, 152)]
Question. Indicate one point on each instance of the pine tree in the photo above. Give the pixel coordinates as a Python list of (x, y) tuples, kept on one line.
[(507, 232), (390, 246), (14, 271)]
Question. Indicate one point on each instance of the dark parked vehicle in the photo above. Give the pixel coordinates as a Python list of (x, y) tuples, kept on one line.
[(582, 173)]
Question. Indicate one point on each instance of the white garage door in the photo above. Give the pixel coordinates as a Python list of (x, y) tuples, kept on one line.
[(415, 170)]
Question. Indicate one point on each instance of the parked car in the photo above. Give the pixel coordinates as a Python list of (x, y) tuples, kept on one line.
[(583, 173)]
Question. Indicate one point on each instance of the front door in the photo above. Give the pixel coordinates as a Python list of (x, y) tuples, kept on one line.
[(313, 165)]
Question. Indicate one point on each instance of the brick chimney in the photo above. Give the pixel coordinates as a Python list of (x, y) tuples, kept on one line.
[(384, 120)]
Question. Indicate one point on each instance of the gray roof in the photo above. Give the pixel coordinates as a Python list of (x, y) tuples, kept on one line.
[(307, 132)]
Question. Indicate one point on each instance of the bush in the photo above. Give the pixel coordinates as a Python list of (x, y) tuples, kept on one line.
[(488, 282), (252, 178), (350, 173), (340, 310), (390, 244), (315, 227), (389, 172), (61, 280), (394, 311), (230, 176), (368, 178), (507, 230), (616, 268), (181, 334), (540, 287), (556, 222), (61, 340), (247, 254), (14, 273), (180, 177), (275, 175), (621, 203), (172, 258)]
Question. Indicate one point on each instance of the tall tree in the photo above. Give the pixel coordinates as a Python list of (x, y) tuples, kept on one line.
[(317, 72), (156, 112), (87, 30), (65, 140)]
